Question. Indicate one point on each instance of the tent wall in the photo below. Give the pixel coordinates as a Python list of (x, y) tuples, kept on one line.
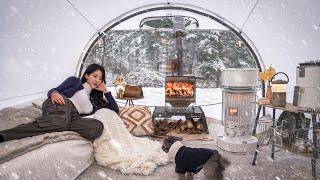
[(41, 42)]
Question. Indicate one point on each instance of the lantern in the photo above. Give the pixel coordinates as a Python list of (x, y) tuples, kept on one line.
[(279, 92), (120, 87)]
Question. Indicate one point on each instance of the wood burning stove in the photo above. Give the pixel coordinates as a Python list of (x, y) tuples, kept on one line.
[(180, 92)]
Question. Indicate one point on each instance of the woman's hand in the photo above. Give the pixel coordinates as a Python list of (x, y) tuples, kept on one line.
[(57, 98), (102, 87)]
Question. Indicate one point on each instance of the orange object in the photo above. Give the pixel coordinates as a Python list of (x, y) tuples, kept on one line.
[(269, 93)]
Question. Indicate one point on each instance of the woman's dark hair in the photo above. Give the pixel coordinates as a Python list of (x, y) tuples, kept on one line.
[(92, 68), (95, 95)]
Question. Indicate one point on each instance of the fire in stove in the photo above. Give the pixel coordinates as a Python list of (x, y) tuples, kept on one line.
[(179, 89)]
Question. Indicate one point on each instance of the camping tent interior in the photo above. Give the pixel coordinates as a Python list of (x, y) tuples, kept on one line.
[(44, 42)]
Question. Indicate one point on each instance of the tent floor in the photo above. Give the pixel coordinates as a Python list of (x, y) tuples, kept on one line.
[(285, 166)]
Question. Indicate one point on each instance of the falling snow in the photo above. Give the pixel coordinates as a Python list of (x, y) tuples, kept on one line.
[(305, 43), (14, 10), (37, 42), (102, 174), (15, 175)]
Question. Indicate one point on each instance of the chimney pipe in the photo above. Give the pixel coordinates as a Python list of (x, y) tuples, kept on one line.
[(179, 32)]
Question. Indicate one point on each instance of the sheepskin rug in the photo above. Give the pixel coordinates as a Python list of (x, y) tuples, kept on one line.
[(117, 149)]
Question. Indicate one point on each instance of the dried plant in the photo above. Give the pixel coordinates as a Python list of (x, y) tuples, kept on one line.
[(267, 74)]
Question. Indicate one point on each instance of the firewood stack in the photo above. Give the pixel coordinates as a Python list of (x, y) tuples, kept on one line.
[(189, 126)]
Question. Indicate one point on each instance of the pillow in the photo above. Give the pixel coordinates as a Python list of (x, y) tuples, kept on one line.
[(137, 120)]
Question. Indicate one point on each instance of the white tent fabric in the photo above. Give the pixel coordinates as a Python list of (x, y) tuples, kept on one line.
[(42, 42)]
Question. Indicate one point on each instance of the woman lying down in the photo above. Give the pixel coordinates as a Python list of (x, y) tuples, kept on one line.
[(114, 146)]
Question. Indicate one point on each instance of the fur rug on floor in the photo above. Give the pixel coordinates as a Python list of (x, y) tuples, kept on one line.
[(117, 149)]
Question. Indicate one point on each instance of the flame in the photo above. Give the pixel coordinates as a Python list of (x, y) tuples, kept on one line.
[(184, 89)]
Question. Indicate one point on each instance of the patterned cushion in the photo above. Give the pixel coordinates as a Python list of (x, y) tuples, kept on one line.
[(137, 119)]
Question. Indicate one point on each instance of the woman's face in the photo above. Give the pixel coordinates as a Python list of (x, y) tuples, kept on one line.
[(94, 79)]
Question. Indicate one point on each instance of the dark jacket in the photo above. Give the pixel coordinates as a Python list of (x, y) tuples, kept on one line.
[(73, 84), (192, 159)]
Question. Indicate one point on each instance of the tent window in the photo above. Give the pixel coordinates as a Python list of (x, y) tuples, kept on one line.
[(141, 56)]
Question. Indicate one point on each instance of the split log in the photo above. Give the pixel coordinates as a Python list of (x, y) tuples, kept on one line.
[(189, 131), (162, 127), (183, 127), (178, 130), (190, 123), (199, 126), (178, 127)]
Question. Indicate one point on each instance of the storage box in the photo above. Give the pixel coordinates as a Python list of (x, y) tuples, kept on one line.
[(307, 89)]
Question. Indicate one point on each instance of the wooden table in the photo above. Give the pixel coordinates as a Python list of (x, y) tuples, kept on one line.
[(289, 107), (129, 100)]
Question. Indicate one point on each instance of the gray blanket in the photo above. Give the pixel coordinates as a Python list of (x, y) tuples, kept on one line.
[(12, 117), (15, 148), (58, 155)]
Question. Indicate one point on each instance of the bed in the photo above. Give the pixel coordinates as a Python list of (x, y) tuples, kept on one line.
[(58, 155)]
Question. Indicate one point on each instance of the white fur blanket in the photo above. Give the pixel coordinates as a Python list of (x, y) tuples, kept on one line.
[(117, 149)]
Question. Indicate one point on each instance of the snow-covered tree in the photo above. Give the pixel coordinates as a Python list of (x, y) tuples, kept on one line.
[(141, 55)]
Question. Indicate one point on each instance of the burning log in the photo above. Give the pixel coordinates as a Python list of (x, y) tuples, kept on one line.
[(184, 89)]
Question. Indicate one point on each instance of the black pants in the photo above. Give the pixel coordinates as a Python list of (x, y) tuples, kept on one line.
[(56, 118)]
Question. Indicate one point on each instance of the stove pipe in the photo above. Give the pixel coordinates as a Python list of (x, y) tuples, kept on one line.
[(179, 33)]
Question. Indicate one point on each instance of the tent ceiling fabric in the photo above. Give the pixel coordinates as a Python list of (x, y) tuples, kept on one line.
[(41, 42)]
